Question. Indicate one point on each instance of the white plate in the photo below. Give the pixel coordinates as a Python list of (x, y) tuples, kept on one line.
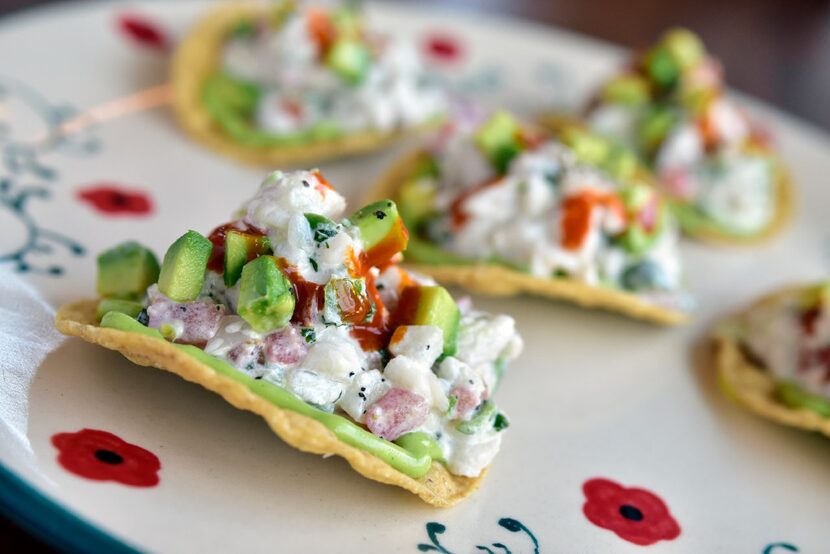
[(594, 395)]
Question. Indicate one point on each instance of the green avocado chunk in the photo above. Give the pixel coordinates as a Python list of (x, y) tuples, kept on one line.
[(498, 139), (183, 269), (630, 90), (421, 444), (126, 271), (127, 307), (241, 248), (350, 59), (685, 48), (432, 305), (795, 397), (415, 465), (382, 231), (266, 296)]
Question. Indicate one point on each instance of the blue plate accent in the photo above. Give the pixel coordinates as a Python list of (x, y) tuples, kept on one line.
[(50, 521)]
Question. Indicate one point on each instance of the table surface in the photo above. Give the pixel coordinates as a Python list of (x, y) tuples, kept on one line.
[(776, 50)]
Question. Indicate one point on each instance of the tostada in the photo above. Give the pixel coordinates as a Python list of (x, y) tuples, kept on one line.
[(725, 181), (774, 357), (307, 320), (502, 208), (291, 82)]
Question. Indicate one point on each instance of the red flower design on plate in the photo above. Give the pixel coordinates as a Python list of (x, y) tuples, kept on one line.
[(635, 515), (102, 456), (143, 31), (443, 47), (113, 200)]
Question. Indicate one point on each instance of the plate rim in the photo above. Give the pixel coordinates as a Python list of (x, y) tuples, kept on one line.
[(50, 521)]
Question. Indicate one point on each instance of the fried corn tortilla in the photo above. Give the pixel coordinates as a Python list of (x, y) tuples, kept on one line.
[(743, 381), (498, 280), (438, 487), (700, 227), (196, 59)]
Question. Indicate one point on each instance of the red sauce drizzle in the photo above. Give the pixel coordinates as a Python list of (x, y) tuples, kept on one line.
[(310, 296), (375, 334)]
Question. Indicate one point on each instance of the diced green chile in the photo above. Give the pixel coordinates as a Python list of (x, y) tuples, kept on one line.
[(484, 419), (409, 463)]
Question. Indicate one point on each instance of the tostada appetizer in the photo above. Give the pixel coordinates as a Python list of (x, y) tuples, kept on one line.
[(305, 319), (774, 357), (501, 208), (725, 182), (290, 82)]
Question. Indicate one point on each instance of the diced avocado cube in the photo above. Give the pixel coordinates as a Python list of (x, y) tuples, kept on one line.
[(321, 227), (498, 139), (382, 231), (621, 164), (244, 28), (107, 305), (815, 296), (419, 444), (126, 271), (630, 90), (350, 59), (416, 201), (431, 305), (588, 148), (662, 68), (346, 301), (685, 47), (241, 248), (266, 296), (230, 93), (636, 196), (183, 269), (656, 126), (484, 419)]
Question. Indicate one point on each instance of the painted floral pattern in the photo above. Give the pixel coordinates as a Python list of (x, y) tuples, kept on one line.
[(635, 515), (111, 199), (143, 31), (102, 456)]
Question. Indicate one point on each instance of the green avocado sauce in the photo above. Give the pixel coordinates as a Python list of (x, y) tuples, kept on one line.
[(795, 397), (413, 463)]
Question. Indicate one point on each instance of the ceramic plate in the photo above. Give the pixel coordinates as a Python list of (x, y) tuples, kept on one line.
[(608, 415)]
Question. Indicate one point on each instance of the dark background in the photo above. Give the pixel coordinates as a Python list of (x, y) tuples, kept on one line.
[(776, 50)]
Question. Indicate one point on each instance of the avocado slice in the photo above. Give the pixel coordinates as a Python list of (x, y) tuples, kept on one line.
[(241, 248), (685, 48), (266, 296), (630, 90), (382, 231), (498, 139), (183, 269), (126, 271), (662, 68), (129, 307), (431, 305), (350, 59)]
